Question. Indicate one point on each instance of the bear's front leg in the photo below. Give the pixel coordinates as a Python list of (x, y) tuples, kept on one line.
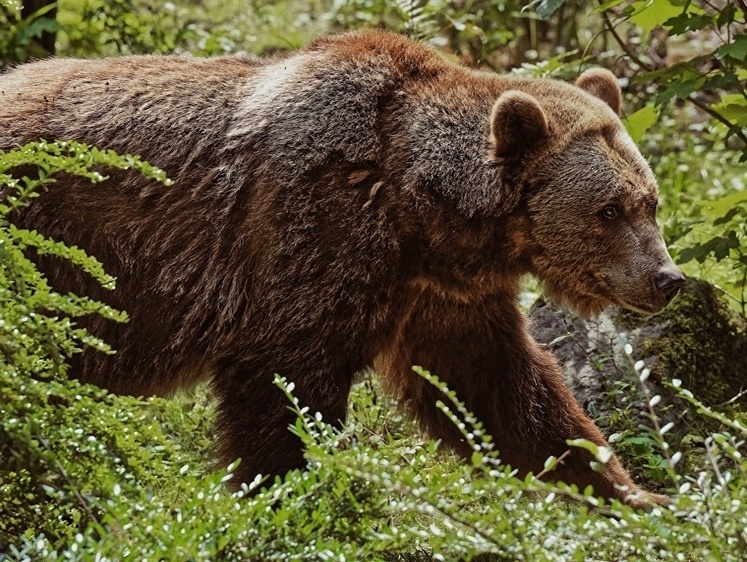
[(483, 352)]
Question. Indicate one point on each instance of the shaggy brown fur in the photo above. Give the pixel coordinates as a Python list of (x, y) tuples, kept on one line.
[(361, 202)]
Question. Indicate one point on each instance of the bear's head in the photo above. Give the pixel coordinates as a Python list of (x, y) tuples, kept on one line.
[(590, 197)]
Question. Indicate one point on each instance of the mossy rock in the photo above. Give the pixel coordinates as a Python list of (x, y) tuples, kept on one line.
[(698, 339)]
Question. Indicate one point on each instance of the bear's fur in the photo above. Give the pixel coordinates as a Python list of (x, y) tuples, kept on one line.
[(360, 203)]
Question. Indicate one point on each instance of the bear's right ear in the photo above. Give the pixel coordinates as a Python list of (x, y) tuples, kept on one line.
[(517, 122), (602, 84)]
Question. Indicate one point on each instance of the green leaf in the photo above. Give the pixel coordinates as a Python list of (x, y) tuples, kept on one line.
[(724, 204), (600, 452), (723, 80), (37, 28), (680, 89), (726, 15), (641, 121), (734, 108), (737, 49), (685, 70), (731, 213), (550, 463), (687, 22), (544, 8), (719, 247), (654, 13)]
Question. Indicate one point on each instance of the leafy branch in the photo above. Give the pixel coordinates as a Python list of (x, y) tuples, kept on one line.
[(36, 325)]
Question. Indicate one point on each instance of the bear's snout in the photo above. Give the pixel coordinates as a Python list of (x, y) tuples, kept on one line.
[(669, 280)]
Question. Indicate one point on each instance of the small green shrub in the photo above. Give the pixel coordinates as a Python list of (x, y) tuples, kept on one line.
[(37, 337), (19, 35)]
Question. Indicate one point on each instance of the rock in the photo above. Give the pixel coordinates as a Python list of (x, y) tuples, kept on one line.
[(697, 339)]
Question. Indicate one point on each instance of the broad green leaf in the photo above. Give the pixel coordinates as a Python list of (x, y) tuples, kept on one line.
[(641, 121), (737, 49), (722, 80), (687, 22), (734, 108), (653, 13), (680, 89), (687, 70), (726, 15), (731, 213), (723, 204), (718, 246), (547, 8)]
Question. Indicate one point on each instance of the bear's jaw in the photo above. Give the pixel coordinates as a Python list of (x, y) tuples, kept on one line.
[(646, 289), (590, 298), (587, 303)]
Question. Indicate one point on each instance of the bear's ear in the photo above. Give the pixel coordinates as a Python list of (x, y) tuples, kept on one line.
[(516, 123), (601, 83)]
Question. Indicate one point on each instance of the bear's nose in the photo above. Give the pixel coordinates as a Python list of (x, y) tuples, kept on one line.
[(669, 280)]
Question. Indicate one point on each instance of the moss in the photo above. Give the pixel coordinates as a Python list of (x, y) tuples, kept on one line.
[(702, 342)]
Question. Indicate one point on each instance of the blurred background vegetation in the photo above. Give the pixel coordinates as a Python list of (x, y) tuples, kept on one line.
[(87, 475)]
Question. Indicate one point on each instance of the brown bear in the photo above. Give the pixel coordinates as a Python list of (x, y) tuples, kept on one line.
[(360, 203)]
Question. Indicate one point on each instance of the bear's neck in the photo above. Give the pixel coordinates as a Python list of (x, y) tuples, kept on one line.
[(468, 257)]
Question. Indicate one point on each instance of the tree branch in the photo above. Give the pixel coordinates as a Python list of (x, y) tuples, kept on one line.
[(718, 117)]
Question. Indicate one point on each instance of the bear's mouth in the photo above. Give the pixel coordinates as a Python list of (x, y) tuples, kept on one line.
[(648, 310), (608, 292)]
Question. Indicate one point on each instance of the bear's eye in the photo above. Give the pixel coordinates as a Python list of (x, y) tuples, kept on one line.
[(610, 212)]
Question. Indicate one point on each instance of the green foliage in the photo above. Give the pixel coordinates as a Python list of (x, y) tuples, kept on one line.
[(17, 39), (114, 27), (721, 238), (631, 434), (108, 28), (133, 486), (640, 122), (66, 447), (127, 26), (704, 205), (474, 30), (37, 332)]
